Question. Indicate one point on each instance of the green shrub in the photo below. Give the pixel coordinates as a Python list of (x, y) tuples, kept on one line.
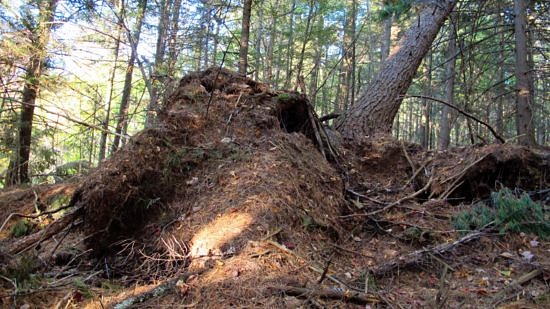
[(22, 227), (509, 213)]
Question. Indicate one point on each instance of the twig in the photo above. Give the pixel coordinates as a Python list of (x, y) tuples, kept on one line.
[(62, 238), (325, 270), (415, 174), (413, 168), (495, 134), (458, 177), (346, 296), (366, 197), (401, 200)]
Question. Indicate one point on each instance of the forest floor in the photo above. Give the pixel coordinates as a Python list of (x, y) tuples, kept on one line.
[(240, 198)]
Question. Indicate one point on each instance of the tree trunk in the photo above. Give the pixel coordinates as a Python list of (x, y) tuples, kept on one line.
[(126, 91), (243, 53), (258, 63), (376, 108), (386, 38), (173, 47), (290, 48), (424, 129), (307, 32), (445, 123), (524, 99), (109, 99), (343, 99), (157, 78), (270, 47), (40, 34)]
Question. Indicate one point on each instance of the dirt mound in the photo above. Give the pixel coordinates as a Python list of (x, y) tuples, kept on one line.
[(207, 148), (466, 174)]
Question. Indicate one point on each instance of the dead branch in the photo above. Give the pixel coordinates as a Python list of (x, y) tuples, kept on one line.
[(329, 117), (500, 296), (44, 234), (43, 213), (457, 178), (159, 290), (495, 134), (401, 200), (417, 172), (346, 296), (418, 256)]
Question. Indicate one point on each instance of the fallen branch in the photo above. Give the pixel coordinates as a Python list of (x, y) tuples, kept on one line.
[(346, 296), (44, 234), (418, 256), (500, 296), (160, 290), (43, 213)]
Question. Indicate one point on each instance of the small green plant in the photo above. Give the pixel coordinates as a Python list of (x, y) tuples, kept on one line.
[(480, 216), (111, 286), (22, 227), (509, 213), (83, 288), (283, 96)]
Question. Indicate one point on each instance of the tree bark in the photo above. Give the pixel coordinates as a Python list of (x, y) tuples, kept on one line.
[(157, 76), (40, 34), (299, 67), (126, 91), (386, 38), (376, 108), (290, 48), (243, 53), (524, 99), (424, 129)]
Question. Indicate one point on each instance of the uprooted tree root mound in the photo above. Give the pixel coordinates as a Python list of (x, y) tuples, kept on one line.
[(226, 168), (238, 198)]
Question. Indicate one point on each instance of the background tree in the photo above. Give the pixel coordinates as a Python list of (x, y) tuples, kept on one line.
[(243, 52), (524, 97), (38, 29)]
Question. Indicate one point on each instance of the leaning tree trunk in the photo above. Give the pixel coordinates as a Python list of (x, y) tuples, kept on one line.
[(376, 108)]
